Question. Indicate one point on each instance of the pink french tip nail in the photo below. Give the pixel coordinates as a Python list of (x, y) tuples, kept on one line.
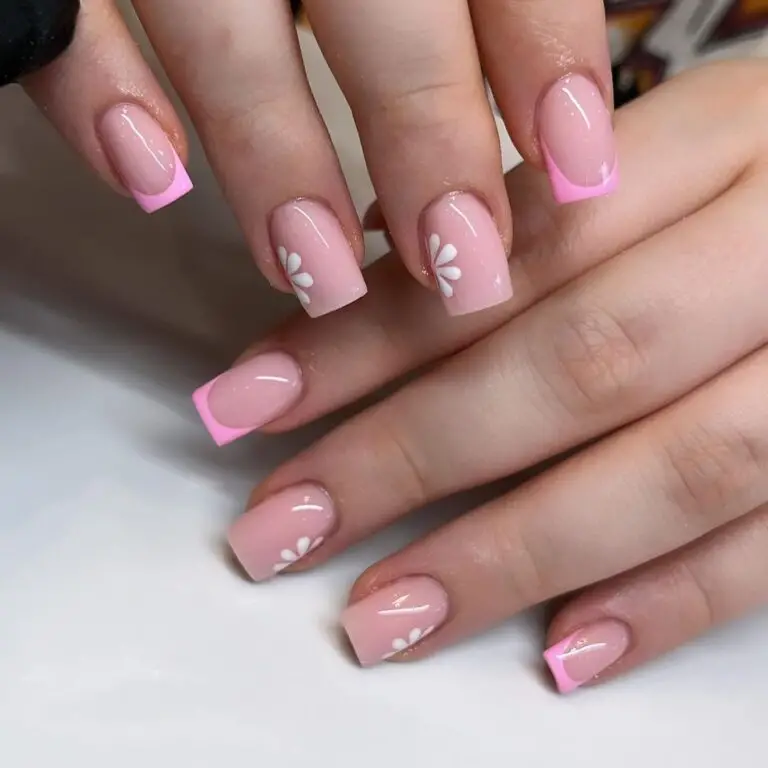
[(395, 618), (249, 396), (316, 257), (466, 254), (143, 157), (585, 654), (282, 530), (577, 140)]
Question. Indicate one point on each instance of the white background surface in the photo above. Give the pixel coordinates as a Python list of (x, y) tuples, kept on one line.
[(126, 640)]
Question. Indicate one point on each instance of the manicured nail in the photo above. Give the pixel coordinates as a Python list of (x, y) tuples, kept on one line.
[(282, 530), (395, 618), (576, 134), (316, 257), (143, 157), (581, 657), (249, 396), (466, 254)]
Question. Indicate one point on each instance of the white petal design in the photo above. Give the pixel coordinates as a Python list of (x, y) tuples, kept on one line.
[(293, 264), (303, 296), (280, 567), (447, 255), (449, 273), (399, 644), (445, 287), (414, 637), (282, 255), (434, 245), (303, 280), (288, 556), (303, 545)]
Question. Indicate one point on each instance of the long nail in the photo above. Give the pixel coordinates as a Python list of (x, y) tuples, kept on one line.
[(576, 134), (282, 530), (143, 157), (395, 618), (466, 254), (585, 654), (249, 396), (316, 257)]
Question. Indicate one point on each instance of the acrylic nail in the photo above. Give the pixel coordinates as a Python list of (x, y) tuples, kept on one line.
[(587, 653), (576, 134), (282, 530), (249, 396), (395, 618), (143, 156), (316, 257), (466, 254)]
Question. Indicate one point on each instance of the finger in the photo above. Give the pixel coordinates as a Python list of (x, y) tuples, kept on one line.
[(645, 492), (238, 68), (430, 139), (104, 99), (625, 622), (558, 111), (397, 328)]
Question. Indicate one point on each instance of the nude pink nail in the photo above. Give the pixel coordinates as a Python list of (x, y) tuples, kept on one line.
[(249, 396), (576, 134), (143, 157), (395, 618), (466, 254), (585, 654), (316, 257), (282, 530)]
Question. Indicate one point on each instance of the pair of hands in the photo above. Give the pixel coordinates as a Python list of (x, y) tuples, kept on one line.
[(411, 72), (629, 373)]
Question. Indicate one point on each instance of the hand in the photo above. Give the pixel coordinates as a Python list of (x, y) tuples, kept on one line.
[(411, 73)]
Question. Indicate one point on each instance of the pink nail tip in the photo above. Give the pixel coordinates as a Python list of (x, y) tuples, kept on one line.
[(395, 618), (282, 530), (180, 186), (554, 659), (222, 435), (565, 191)]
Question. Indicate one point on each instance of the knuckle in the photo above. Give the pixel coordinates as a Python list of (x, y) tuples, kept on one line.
[(526, 578), (598, 360), (405, 471), (708, 470)]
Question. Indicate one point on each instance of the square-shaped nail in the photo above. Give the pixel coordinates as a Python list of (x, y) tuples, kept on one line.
[(576, 134), (316, 257), (143, 157), (282, 530), (395, 618), (248, 396), (585, 654), (466, 254)]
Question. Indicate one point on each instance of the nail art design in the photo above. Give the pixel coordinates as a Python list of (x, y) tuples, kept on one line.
[(466, 254), (315, 254), (445, 273), (395, 618), (400, 644), (300, 517), (291, 264), (304, 546)]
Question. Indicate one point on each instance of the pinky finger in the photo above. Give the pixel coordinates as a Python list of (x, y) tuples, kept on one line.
[(622, 623)]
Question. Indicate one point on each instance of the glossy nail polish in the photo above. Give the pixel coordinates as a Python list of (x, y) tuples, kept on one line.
[(249, 396), (584, 655), (395, 618), (282, 530), (316, 257), (466, 254), (576, 134), (143, 156)]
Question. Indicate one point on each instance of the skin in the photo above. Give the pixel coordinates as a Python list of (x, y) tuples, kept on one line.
[(411, 73), (639, 330)]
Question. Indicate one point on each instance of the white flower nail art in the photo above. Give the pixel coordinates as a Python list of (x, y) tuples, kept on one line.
[(445, 272), (304, 546), (400, 644), (291, 263)]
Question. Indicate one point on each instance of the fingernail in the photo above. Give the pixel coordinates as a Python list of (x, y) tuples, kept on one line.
[(582, 656), (466, 254), (316, 257), (249, 396), (395, 618), (576, 134), (143, 157), (282, 530)]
